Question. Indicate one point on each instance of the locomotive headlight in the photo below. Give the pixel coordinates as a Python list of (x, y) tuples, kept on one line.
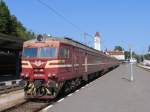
[(41, 70), (53, 75), (26, 75)]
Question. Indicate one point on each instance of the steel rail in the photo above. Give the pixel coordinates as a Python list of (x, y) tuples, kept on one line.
[(8, 89)]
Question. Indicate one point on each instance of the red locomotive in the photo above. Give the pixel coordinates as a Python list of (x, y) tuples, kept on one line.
[(49, 63)]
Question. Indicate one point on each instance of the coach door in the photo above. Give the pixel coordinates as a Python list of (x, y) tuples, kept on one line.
[(75, 60), (86, 63)]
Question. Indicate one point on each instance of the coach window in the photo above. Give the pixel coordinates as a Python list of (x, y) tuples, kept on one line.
[(64, 53)]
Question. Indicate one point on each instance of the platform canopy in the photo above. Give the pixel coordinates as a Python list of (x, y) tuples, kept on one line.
[(10, 42)]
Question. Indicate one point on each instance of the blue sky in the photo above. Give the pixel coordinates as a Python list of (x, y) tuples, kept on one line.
[(120, 22)]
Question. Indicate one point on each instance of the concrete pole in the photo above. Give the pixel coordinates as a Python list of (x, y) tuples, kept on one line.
[(131, 65)]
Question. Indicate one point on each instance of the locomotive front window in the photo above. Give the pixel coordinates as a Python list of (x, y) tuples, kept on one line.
[(48, 52), (29, 52)]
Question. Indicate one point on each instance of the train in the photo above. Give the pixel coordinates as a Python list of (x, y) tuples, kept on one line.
[(50, 65)]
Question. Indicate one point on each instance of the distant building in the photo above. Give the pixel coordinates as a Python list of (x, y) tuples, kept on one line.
[(97, 45), (133, 60), (120, 55), (146, 62)]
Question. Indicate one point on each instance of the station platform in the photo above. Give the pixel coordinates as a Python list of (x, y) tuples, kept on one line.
[(11, 99), (113, 92)]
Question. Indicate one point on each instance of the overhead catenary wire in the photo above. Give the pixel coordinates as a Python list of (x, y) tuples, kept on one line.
[(58, 14), (51, 9)]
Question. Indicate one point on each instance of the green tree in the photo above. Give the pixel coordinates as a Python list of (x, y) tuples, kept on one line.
[(119, 48), (127, 55), (13, 27), (138, 57), (5, 18), (10, 25), (147, 56)]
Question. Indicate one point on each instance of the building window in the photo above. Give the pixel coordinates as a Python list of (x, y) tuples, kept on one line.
[(64, 53)]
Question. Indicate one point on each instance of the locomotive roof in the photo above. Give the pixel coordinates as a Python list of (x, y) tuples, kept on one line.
[(69, 41)]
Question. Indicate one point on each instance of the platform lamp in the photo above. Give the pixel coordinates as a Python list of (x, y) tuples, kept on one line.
[(131, 64)]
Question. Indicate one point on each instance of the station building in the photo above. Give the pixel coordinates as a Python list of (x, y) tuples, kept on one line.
[(120, 55)]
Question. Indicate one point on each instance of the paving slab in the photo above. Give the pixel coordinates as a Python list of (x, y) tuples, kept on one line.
[(113, 92)]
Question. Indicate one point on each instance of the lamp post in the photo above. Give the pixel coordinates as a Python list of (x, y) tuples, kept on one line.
[(131, 65)]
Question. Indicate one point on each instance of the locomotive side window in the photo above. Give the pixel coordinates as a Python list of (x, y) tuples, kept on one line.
[(30, 52), (64, 53), (49, 52)]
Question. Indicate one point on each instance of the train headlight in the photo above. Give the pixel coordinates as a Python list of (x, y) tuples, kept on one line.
[(51, 75), (26, 75), (41, 70)]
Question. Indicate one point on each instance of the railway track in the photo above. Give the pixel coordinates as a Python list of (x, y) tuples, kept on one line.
[(28, 106), (10, 86), (8, 89), (37, 105), (147, 68)]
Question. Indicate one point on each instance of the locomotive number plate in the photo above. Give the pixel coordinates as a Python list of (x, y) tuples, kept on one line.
[(38, 75)]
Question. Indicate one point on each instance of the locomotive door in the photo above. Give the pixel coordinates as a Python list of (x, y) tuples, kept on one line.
[(76, 60), (65, 54)]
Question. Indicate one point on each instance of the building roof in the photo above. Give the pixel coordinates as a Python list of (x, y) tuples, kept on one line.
[(115, 52)]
